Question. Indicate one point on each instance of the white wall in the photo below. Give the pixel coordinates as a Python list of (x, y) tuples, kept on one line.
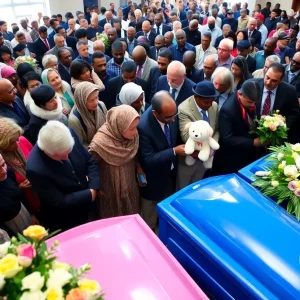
[(63, 6)]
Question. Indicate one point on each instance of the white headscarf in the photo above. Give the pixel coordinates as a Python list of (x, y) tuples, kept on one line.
[(130, 93)]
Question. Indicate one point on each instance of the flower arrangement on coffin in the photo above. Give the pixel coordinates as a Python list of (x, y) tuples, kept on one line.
[(282, 180), (30, 271), (27, 59), (104, 38), (271, 129)]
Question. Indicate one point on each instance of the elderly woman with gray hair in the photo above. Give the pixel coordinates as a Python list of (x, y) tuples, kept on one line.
[(133, 95), (50, 61), (64, 175), (88, 114)]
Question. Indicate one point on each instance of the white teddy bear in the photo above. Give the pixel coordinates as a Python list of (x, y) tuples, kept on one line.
[(200, 138)]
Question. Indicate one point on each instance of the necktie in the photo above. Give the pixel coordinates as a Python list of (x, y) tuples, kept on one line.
[(250, 33), (173, 93), (168, 135), (158, 33), (47, 44), (267, 104), (204, 115), (139, 71)]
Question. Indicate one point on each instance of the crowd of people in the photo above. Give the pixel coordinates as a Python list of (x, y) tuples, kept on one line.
[(96, 128)]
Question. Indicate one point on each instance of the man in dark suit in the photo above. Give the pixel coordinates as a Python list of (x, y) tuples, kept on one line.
[(115, 84), (238, 147), (159, 28), (186, 22), (126, 10), (158, 151), (64, 175), (159, 43), (253, 33), (11, 106), (64, 62), (146, 31), (193, 35), (189, 59), (163, 60), (292, 73), (266, 11), (230, 20), (272, 21), (176, 83), (243, 48), (41, 45), (108, 19), (278, 95)]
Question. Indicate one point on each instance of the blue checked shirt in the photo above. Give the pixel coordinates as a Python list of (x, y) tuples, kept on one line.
[(111, 65)]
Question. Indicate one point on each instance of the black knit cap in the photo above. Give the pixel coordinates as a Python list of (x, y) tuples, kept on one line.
[(42, 94), (251, 90)]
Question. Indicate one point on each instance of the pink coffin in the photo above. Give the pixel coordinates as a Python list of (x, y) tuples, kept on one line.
[(127, 259)]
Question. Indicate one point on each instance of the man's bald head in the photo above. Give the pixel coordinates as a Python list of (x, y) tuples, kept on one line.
[(211, 20), (139, 55), (295, 62), (193, 26), (209, 66), (180, 38), (159, 41), (176, 74), (169, 37), (189, 59), (98, 46), (164, 107), (7, 91)]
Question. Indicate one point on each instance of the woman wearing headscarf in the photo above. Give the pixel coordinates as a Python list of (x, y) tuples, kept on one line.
[(133, 95), (62, 89), (239, 69), (45, 107), (14, 216), (88, 114), (115, 148), (15, 150), (10, 74), (81, 71)]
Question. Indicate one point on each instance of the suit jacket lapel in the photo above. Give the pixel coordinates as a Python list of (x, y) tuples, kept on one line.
[(158, 132), (181, 92), (194, 109)]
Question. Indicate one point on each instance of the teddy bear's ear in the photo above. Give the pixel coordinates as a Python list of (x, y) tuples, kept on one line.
[(187, 126), (210, 132)]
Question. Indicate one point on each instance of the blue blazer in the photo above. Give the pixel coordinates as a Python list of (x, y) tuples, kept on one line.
[(156, 157), (153, 80), (64, 74), (185, 91), (153, 52), (63, 188)]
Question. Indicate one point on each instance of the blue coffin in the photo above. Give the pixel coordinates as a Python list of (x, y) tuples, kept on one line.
[(233, 241), (248, 172)]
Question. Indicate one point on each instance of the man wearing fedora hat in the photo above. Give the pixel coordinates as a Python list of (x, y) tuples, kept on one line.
[(200, 106)]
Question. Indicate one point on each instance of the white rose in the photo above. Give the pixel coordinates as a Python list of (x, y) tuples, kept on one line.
[(295, 156), (280, 156), (58, 278), (274, 183), (290, 171), (283, 163), (33, 296), (2, 282), (3, 249), (55, 293), (33, 282), (262, 173), (298, 162), (296, 147)]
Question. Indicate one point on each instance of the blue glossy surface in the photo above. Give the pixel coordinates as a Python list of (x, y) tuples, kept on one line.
[(249, 171), (234, 242)]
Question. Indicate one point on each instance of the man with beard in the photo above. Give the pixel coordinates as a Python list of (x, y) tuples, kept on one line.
[(118, 57), (163, 60), (100, 68), (269, 48), (176, 83)]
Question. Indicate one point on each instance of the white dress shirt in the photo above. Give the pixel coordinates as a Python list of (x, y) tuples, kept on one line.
[(264, 34), (27, 34), (160, 29), (177, 90), (265, 95)]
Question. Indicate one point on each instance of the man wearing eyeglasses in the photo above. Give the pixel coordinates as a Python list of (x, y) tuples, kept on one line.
[(292, 73), (158, 152), (224, 54)]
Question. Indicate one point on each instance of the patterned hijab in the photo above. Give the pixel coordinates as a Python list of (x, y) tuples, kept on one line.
[(92, 120), (109, 142)]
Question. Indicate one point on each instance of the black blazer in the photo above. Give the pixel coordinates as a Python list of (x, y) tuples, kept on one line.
[(165, 28), (151, 36), (71, 42), (218, 40), (64, 74), (114, 87), (192, 37), (251, 64), (103, 22), (153, 80), (153, 52), (295, 82), (195, 76), (184, 23), (286, 102), (156, 156), (256, 35), (35, 125), (201, 75), (40, 49), (236, 144), (63, 188), (185, 91)]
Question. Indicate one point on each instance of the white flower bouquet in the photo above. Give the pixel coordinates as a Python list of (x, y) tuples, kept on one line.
[(28, 270), (26, 59), (271, 129), (282, 181), (104, 38)]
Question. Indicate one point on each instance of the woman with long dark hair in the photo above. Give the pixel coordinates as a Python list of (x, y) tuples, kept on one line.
[(239, 69)]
